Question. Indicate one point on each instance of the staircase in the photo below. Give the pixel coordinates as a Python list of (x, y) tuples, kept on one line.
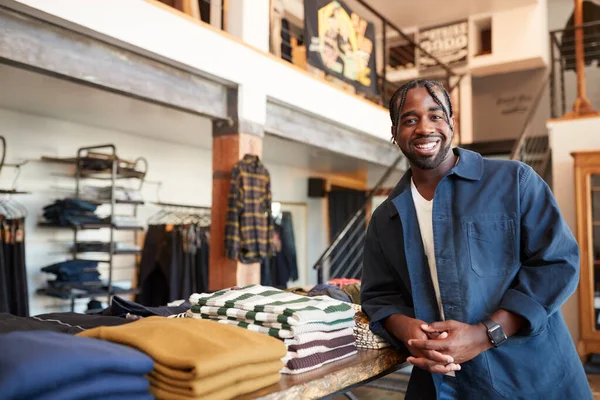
[(533, 147)]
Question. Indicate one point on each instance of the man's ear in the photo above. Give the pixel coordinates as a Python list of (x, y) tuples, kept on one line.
[(452, 123), (394, 133)]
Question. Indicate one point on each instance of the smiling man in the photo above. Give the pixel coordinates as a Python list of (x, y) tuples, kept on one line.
[(466, 266)]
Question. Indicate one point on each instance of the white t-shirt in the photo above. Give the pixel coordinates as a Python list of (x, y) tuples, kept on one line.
[(424, 209)]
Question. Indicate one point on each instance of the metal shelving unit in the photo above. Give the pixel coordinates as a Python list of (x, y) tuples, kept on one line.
[(114, 174)]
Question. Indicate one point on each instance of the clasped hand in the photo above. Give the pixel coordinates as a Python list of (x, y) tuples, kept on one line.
[(442, 346)]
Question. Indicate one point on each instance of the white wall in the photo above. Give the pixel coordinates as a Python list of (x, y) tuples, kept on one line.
[(501, 104), (566, 137), (209, 50), (519, 40)]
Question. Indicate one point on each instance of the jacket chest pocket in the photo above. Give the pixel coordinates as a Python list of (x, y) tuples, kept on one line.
[(492, 247)]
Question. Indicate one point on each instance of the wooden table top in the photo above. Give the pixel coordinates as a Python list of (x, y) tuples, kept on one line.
[(334, 377)]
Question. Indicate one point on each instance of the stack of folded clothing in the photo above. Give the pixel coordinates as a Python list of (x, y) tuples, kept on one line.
[(200, 359), (75, 277), (74, 271), (72, 212), (72, 277), (365, 338), (105, 193), (49, 365), (104, 247), (319, 324)]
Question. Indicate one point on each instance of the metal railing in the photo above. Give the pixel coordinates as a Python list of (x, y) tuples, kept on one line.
[(563, 78), (343, 258), (532, 147), (398, 51)]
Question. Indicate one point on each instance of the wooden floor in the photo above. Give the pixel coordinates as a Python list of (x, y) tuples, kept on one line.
[(378, 393)]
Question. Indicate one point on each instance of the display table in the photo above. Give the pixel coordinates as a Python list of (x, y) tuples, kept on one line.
[(334, 378)]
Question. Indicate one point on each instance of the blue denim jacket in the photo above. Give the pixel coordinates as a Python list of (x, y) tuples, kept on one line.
[(500, 242)]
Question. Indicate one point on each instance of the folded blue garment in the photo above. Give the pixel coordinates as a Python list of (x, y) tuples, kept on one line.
[(37, 362), (71, 267), (104, 384)]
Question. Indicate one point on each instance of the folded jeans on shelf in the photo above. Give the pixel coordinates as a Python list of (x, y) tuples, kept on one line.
[(70, 266), (70, 203)]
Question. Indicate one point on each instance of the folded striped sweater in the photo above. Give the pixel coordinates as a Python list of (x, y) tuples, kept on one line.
[(282, 331), (274, 305), (273, 311), (314, 361)]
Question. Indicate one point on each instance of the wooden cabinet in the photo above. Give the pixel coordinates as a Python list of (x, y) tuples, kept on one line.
[(587, 202)]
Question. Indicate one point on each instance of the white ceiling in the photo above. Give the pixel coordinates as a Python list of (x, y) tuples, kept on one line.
[(38, 94), (422, 13)]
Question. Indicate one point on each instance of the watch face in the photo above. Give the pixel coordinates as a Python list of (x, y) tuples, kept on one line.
[(497, 335)]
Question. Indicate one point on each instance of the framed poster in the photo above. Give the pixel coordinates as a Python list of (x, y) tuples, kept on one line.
[(341, 43), (448, 43)]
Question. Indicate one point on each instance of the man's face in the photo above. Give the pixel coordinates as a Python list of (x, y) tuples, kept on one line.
[(424, 133)]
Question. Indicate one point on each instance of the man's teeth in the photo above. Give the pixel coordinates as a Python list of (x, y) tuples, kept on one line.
[(427, 146)]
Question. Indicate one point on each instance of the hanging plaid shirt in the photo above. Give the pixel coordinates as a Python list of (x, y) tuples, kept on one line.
[(249, 227)]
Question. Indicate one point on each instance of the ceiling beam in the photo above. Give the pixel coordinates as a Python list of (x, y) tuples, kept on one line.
[(29, 43), (293, 124)]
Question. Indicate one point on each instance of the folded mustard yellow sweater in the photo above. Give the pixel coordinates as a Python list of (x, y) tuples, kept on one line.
[(205, 386), (191, 349), (225, 393)]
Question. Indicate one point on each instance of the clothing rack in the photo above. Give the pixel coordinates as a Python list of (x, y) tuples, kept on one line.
[(174, 262), (14, 297)]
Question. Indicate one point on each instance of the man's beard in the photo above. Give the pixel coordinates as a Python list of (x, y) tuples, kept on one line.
[(428, 163)]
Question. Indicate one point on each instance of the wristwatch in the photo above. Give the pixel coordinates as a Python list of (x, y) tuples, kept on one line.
[(495, 332)]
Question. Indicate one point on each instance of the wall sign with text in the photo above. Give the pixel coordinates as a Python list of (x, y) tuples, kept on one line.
[(448, 43), (341, 43)]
